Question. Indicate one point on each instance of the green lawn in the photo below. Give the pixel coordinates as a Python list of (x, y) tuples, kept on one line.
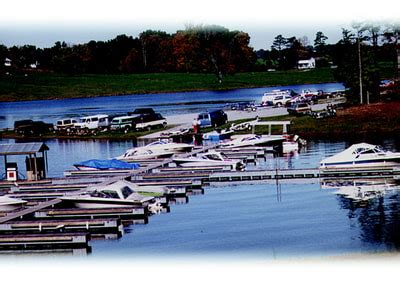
[(36, 85)]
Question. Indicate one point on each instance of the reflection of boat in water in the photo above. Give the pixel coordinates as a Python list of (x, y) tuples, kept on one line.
[(209, 159), (364, 193), (9, 204), (360, 190), (116, 195), (253, 140), (361, 156)]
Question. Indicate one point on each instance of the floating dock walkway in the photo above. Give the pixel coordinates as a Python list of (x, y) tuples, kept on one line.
[(46, 224)]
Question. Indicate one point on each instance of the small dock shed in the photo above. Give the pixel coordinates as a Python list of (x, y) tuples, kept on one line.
[(36, 160)]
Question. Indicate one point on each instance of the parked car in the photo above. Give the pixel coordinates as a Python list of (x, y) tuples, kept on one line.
[(213, 118), (244, 105), (98, 121), (330, 111), (32, 128), (142, 110), (280, 100), (124, 122), (64, 124), (149, 121), (20, 123), (299, 109)]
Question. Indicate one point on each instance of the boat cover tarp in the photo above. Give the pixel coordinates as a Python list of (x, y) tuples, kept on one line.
[(108, 164)]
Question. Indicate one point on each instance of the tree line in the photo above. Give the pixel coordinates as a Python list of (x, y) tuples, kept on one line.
[(195, 49), (215, 49)]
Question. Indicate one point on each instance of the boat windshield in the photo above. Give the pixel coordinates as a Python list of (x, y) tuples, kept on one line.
[(107, 194), (126, 191), (214, 157), (160, 142), (251, 138), (130, 153), (364, 151)]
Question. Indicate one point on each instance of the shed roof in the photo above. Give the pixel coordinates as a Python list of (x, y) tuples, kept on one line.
[(22, 148)]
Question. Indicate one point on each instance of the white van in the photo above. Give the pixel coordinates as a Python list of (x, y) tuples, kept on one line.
[(93, 122), (64, 124)]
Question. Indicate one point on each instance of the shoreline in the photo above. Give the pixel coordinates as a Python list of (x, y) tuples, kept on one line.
[(159, 92), (355, 123)]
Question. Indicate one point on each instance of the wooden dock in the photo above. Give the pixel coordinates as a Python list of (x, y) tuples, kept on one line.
[(101, 226), (44, 241)]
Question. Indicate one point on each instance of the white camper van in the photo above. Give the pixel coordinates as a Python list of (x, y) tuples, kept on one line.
[(93, 122)]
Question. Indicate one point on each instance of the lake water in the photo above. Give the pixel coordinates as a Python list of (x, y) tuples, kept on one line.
[(258, 221), (165, 103)]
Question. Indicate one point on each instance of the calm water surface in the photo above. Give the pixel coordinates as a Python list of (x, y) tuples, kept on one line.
[(165, 103), (262, 221)]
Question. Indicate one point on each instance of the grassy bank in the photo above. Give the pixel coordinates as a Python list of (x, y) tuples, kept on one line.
[(358, 123), (36, 85)]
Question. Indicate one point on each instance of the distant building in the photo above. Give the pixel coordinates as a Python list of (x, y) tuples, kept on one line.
[(7, 62), (306, 64), (34, 65)]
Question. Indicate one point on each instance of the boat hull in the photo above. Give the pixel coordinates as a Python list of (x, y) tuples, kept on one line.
[(11, 204), (187, 163), (99, 203), (10, 207), (361, 165)]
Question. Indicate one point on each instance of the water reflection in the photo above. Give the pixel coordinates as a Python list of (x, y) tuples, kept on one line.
[(373, 207)]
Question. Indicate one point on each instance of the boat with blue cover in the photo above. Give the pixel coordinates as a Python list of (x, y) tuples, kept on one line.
[(112, 164)]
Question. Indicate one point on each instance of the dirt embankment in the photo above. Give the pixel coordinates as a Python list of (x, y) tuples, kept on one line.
[(362, 122)]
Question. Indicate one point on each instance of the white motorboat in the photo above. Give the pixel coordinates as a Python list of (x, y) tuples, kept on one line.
[(157, 149), (138, 154), (165, 146), (210, 159), (9, 204), (116, 195), (361, 156), (253, 140)]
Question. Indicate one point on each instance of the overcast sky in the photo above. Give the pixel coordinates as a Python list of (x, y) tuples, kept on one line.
[(43, 22)]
